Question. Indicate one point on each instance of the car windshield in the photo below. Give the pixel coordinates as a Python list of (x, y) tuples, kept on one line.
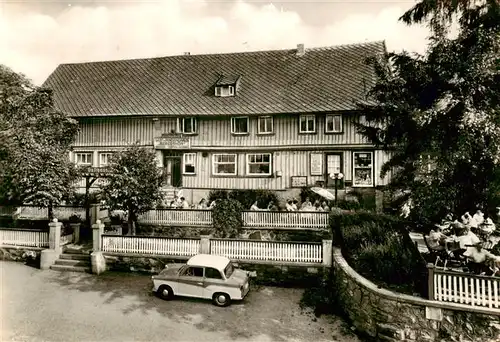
[(228, 271)]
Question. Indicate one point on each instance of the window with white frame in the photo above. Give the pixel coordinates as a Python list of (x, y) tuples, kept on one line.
[(239, 125), (333, 123), (362, 169), (83, 158), (187, 125), (104, 158), (224, 164), (189, 162), (307, 124), (265, 124), (223, 91), (258, 164)]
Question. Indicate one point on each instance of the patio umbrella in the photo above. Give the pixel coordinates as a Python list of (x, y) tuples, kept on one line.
[(324, 193)]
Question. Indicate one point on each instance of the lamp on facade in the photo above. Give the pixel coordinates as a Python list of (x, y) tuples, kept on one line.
[(336, 176)]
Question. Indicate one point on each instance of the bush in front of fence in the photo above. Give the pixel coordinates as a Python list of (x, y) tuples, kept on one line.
[(171, 231), (217, 194), (227, 220), (378, 247)]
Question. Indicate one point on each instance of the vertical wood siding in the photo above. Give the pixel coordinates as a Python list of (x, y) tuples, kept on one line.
[(115, 132), (381, 157), (217, 132), (214, 132), (290, 163)]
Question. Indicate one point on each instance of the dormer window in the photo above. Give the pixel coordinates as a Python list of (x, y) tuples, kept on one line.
[(224, 91), (227, 85)]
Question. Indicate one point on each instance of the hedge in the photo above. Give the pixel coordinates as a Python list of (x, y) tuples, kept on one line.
[(379, 247)]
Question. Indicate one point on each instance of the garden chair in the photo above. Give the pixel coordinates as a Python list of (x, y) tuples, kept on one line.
[(442, 255)]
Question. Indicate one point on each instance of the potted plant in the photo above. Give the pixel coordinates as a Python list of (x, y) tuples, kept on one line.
[(75, 222)]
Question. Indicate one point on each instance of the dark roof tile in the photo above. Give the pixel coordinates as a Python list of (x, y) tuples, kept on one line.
[(323, 79)]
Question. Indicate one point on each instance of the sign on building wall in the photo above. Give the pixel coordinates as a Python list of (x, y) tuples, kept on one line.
[(316, 162), (299, 181), (170, 141)]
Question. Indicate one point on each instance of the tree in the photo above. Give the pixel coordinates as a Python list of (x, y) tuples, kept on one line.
[(133, 183), (439, 113), (35, 140)]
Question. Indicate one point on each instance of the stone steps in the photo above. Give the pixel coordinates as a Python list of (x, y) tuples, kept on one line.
[(74, 256), (70, 268), (73, 261)]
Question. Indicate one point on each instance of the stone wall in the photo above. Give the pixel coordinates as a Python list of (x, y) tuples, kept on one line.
[(27, 255), (261, 273), (388, 316)]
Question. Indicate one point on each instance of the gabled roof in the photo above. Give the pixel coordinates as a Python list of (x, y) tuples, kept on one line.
[(272, 82), (227, 80)]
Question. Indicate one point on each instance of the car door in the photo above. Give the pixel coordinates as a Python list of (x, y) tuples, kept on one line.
[(213, 282), (190, 282)]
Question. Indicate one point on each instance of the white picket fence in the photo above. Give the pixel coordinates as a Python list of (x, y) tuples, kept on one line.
[(150, 245), (23, 237), (36, 213), (303, 252), (190, 217), (465, 288), (285, 219)]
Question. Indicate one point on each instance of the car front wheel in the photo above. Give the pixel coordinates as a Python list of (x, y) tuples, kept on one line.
[(165, 292), (221, 299)]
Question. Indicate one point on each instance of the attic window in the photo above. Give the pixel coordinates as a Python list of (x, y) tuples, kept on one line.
[(226, 85), (224, 91)]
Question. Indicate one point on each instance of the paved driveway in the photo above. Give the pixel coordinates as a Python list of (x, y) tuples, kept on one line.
[(53, 306)]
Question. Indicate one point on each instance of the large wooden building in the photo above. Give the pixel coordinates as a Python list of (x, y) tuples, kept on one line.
[(276, 120)]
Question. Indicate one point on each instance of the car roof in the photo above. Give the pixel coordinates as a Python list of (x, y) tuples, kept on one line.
[(208, 260)]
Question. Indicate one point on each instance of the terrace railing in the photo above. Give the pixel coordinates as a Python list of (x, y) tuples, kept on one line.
[(150, 245), (36, 213), (463, 288), (174, 217), (251, 250), (267, 252), (285, 219), (24, 237)]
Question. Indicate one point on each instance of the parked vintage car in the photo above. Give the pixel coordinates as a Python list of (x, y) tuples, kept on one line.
[(203, 276)]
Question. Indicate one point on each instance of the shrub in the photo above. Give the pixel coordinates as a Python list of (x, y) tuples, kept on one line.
[(217, 194), (349, 205), (248, 197), (75, 218), (226, 217), (378, 247)]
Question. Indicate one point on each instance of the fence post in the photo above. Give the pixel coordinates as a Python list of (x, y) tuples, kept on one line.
[(55, 234), (49, 256), (327, 253), (430, 281), (205, 244), (97, 231), (97, 259)]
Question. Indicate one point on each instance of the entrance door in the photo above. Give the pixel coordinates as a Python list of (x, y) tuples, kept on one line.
[(172, 163), (333, 165), (176, 172)]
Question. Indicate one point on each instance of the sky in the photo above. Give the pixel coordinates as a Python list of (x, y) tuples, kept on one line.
[(38, 35)]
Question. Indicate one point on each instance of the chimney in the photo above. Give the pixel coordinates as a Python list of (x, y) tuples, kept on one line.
[(300, 50), (187, 53)]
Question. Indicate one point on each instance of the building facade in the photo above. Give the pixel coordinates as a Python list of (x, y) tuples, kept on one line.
[(276, 120)]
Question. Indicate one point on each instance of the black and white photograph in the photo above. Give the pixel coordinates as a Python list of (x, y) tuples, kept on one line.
[(249, 170)]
